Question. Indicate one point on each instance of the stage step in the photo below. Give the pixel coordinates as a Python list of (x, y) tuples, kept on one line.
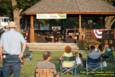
[(51, 46)]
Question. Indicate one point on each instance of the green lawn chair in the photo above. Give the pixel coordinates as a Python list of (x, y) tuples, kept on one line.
[(68, 66)]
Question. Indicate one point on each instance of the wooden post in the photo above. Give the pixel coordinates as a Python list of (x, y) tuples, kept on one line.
[(32, 36), (80, 27)]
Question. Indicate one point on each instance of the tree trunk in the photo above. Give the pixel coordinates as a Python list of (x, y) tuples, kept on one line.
[(16, 14), (109, 20)]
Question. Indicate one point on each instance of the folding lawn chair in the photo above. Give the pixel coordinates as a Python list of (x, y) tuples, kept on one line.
[(45, 72), (68, 65), (93, 64)]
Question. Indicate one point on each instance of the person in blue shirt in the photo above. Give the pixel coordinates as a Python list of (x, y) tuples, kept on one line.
[(12, 47)]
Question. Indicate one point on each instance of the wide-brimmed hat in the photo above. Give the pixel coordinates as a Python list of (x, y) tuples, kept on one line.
[(12, 24)]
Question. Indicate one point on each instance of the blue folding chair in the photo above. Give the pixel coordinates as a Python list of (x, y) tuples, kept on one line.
[(93, 64)]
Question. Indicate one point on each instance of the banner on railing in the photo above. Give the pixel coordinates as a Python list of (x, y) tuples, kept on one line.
[(98, 33)]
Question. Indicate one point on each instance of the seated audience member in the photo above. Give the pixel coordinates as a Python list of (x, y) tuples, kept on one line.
[(107, 54), (67, 58), (79, 59), (94, 57), (46, 64), (93, 54), (96, 47), (101, 49)]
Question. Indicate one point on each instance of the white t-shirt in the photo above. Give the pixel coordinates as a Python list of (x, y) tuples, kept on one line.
[(78, 60)]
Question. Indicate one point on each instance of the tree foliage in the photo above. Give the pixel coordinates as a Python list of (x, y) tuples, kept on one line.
[(24, 4), (6, 8)]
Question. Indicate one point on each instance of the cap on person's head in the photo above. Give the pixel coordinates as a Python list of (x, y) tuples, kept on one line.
[(12, 24), (46, 55)]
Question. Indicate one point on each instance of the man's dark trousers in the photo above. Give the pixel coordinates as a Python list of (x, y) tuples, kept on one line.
[(11, 64)]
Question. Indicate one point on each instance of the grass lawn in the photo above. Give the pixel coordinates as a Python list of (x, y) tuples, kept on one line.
[(29, 67)]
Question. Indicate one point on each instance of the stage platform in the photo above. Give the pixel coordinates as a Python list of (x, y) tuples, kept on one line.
[(51, 46)]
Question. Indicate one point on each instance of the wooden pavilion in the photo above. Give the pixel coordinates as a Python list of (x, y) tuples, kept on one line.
[(79, 7)]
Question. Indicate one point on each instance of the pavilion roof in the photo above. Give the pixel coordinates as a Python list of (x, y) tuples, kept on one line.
[(71, 7)]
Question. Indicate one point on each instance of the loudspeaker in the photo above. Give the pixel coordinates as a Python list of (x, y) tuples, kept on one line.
[(107, 35)]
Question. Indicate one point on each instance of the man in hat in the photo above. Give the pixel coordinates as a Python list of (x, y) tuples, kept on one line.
[(12, 47)]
